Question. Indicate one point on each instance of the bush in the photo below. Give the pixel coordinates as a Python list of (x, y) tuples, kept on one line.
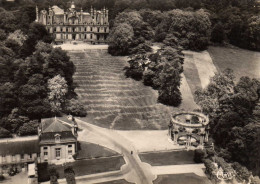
[(54, 175), (75, 108), (4, 133), (199, 155), (30, 128), (69, 175)]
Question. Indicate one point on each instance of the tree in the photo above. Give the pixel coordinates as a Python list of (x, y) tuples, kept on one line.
[(30, 128), (120, 39), (15, 120), (199, 155), (218, 33), (75, 108), (2, 35), (18, 36), (192, 29), (58, 89)]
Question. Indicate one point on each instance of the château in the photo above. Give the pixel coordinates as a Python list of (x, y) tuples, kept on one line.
[(75, 25)]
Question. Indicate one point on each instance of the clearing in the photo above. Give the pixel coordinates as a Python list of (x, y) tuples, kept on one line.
[(242, 62)]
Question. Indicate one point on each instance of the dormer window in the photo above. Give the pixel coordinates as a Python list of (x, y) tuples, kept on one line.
[(57, 138)]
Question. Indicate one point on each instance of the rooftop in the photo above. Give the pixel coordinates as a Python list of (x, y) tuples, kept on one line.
[(19, 147)]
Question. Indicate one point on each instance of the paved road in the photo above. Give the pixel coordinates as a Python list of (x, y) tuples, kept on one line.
[(134, 170)]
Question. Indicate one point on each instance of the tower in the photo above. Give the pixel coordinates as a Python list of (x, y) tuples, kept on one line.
[(37, 14)]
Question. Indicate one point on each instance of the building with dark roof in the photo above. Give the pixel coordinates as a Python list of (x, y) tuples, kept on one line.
[(69, 25), (18, 153), (57, 139)]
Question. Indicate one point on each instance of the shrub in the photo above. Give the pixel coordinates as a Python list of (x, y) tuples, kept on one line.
[(242, 172), (69, 175), (199, 155), (2, 177), (43, 173), (4, 133), (54, 175)]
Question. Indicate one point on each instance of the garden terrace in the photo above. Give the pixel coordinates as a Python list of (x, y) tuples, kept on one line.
[(111, 99)]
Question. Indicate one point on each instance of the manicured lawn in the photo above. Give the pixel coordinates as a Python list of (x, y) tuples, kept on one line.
[(242, 62), (116, 182), (89, 150), (187, 178), (93, 166), (168, 158)]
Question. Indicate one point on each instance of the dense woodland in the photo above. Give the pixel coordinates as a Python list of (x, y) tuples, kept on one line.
[(234, 111), (30, 68), (36, 79)]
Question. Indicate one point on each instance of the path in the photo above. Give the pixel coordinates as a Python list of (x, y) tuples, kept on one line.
[(134, 170)]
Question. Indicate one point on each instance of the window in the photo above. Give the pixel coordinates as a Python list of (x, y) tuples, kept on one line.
[(4, 158), (98, 29), (91, 36), (70, 152), (105, 29), (57, 138), (22, 156), (13, 158), (30, 156), (45, 153), (91, 29), (58, 150), (70, 146), (45, 148)]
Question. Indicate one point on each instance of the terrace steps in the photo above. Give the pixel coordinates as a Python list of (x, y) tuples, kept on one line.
[(111, 99)]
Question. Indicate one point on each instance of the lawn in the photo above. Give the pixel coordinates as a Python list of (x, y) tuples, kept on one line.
[(93, 166), (188, 178), (168, 158), (242, 62), (89, 150), (116, 182)]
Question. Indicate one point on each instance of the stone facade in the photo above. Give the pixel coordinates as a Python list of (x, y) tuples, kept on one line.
[(57, 140), (73, 25)]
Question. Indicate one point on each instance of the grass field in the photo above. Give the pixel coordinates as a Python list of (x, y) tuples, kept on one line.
[(89, 151), (242, 62), (116, 182), (116, 102), (187, 178), (93, 166), (168, 158), (111, 99)]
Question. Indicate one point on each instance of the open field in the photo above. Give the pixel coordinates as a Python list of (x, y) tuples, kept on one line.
[(111, 99), (89, 150), (242, 62), (168, 158), (189, 178)]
